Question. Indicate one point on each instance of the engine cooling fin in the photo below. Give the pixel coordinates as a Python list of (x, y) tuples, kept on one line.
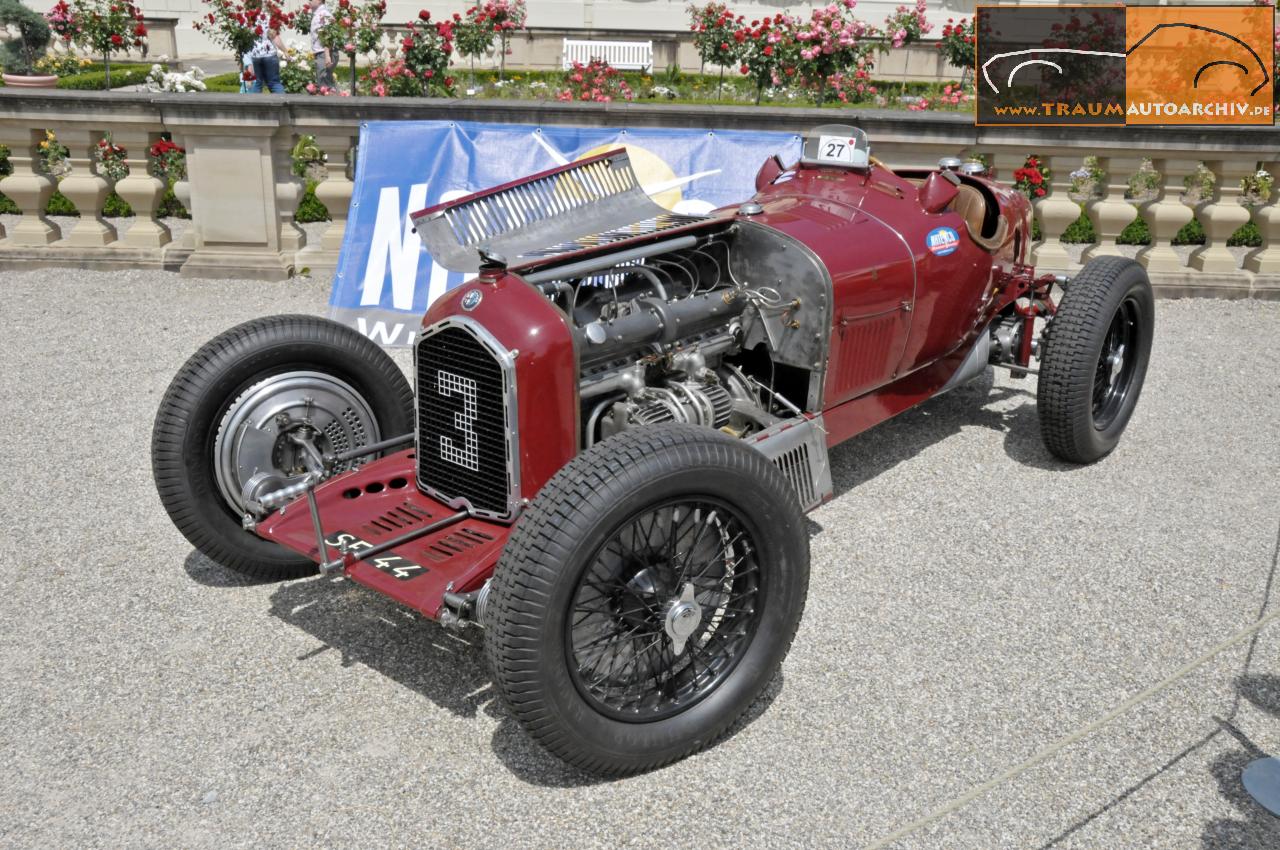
[(592, 203)]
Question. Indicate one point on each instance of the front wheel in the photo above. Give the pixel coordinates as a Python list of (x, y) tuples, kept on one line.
[(646, 597), (242, 414), (1095, 359)]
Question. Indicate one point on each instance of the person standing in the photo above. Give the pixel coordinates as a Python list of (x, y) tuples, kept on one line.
[(320, 17), (265, 56)]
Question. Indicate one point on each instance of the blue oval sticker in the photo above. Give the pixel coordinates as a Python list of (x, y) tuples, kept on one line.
[(942, 241), (471, 300)]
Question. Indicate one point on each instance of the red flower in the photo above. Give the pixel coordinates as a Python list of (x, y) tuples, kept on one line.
[(116, 40), (1040, 193), (424, 15)]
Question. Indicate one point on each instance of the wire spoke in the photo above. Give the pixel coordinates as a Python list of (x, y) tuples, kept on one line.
[(623, 654)]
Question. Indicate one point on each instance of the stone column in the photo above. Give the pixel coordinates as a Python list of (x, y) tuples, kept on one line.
[(1166, 215), (28, 187), (1112, 214), (231, 172), (1221, 216), (1055, 212), (1005, 162), (289, 191), (1266, 260), (87, 189), (334, 191), (141, 190), (186, 243)]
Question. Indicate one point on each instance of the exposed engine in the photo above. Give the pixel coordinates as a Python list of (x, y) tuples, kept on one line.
[(662, 334)]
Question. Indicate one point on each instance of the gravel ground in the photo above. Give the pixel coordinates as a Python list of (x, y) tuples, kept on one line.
[(972, 601)]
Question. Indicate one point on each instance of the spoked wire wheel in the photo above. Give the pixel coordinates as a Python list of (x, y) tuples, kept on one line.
[(646, 597), (664, 610)]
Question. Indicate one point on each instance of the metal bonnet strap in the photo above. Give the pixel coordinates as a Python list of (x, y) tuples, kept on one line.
[(584, 204)]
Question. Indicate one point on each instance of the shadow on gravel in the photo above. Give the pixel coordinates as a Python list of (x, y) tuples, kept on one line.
[(212, 574), (1259, 828), (443, 666), (886, 445)]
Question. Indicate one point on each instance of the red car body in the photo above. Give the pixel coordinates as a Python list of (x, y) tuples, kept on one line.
[(903, 316)]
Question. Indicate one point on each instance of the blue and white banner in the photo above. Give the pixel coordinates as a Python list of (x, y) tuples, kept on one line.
[(385, 277)]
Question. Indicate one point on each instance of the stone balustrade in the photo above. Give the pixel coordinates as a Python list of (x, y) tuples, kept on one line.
[(242, 194)]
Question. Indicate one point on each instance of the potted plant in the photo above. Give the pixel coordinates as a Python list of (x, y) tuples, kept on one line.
[(30, 38)]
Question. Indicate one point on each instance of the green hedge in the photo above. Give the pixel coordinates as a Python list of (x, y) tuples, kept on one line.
[(310, 208), (121, 75), (114, 206), (1137, 233)]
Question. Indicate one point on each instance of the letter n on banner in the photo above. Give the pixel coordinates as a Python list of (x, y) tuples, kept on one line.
[(394, 244)]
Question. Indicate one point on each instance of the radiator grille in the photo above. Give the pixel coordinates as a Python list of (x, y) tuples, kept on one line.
[(464, 444)]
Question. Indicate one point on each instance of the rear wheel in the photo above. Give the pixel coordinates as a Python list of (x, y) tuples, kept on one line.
[(244, 411), (1096, 351), (646, 598)]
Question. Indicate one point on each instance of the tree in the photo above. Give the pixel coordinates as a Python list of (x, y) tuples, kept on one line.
[(354, 30), (716, 37), (109, 26), (473, 37), (19, 55)]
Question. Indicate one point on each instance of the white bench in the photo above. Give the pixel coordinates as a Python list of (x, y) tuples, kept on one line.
[(623, 55)]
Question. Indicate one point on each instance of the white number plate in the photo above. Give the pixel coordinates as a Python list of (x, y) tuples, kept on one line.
[(836, 149)]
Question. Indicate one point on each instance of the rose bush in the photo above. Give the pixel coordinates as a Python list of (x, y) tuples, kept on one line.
[(715, 35), (830, 42), (63, 22), (907, 24), (958, 43), (1032, 178), (504, 17), (425, 52), (597, 81), (354, 31), (768, 52), (472, 37), (105, 27)]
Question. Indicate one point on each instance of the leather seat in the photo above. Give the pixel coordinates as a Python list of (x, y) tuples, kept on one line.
[(985, 225)]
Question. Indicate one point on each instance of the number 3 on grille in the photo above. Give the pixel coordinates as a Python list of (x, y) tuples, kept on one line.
[(468, 455)]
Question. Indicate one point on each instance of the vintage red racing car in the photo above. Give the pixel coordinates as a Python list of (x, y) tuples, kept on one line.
[(620, 422)]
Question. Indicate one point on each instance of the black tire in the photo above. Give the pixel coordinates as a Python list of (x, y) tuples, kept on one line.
[(531, 641), (1085, 397), (192, 410)]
